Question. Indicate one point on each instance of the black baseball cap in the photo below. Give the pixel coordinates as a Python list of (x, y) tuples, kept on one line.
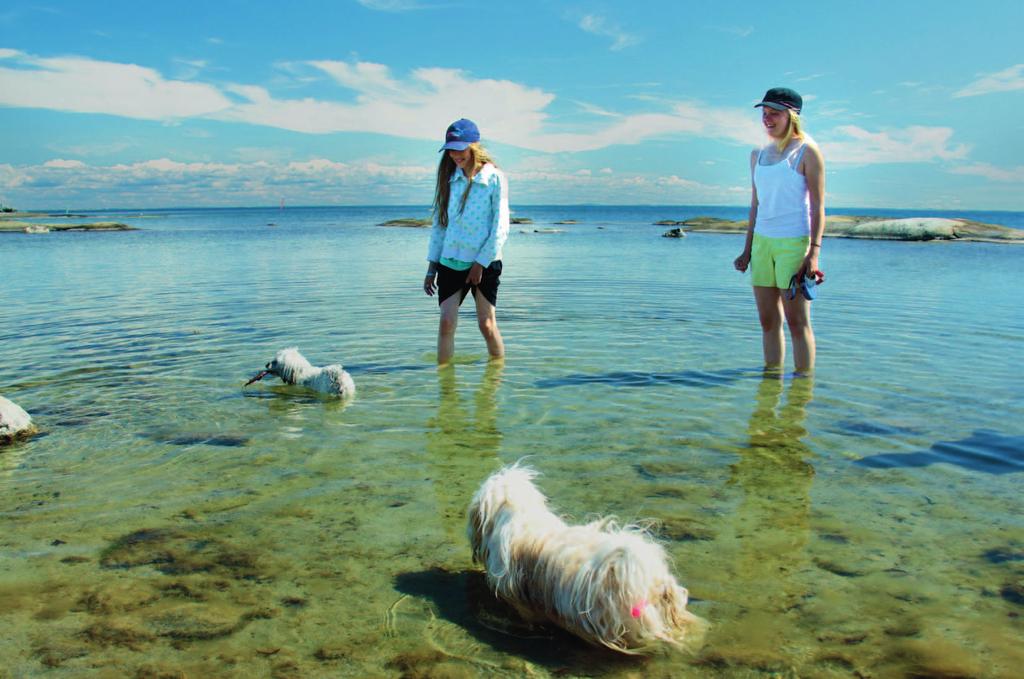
[(782, 99)]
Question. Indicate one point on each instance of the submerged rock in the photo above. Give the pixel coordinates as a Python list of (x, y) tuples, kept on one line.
[(14, 422)]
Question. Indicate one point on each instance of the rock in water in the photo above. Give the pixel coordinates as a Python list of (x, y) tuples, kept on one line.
[(14, 422)]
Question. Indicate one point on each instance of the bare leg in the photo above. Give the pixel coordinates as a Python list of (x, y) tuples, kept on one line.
[(488, 323), (798, 318), (446, 328), (769, 311)]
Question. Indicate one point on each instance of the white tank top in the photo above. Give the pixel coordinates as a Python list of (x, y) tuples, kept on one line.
[(783, 203)]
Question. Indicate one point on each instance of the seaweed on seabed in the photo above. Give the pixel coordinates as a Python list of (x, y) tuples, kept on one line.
[(174, 552)]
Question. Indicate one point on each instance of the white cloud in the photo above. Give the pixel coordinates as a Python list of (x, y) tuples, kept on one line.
[(598, 25), (418, 107), (64, 164), (9, 53), (849, 144), (989, 171), (421, 104), (1004, 81), (163, 181), (89, 86)]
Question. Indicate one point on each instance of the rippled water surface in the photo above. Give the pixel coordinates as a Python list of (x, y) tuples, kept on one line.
[(168, 522)]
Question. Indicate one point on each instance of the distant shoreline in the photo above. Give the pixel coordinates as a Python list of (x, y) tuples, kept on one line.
[(909, 227), (836, 226)]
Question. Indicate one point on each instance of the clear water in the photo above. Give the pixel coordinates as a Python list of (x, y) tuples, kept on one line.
[(167, 520)]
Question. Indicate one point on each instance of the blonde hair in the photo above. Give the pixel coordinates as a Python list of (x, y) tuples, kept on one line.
[(795, 129), (445, 169)]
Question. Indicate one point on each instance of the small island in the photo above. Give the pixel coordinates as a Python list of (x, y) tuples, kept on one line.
[(13, 222), (877, 228), (413, 222)]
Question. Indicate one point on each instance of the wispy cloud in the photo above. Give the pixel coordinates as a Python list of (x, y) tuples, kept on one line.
[(739, 31), (989, 171), (90, 86), (1003, 81), (105, 148), (391, 5), (189, 68), (596, 110), (599, 25), (849, 144)]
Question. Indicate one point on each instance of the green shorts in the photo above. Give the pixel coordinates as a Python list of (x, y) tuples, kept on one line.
[(773, 261)]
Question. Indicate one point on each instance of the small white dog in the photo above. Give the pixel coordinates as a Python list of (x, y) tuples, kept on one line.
[(14, 422), (293, 368), (607, 584)]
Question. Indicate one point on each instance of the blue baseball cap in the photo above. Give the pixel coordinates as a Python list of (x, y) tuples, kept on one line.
[(781, 99), (460, 135)]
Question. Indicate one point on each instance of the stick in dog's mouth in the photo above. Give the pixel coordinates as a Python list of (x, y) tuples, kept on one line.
[(259, 376)]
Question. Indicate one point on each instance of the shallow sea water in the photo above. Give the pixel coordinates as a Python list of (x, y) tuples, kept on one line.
[(168, 522)]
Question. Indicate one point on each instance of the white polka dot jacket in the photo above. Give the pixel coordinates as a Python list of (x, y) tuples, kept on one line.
[(478, 232)]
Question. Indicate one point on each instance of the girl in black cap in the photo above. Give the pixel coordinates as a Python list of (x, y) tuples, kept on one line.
[(787, 220), (471, 223)]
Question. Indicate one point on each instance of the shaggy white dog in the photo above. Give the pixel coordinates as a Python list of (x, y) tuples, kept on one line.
[(293, 368), (14, 422), (607, 584)]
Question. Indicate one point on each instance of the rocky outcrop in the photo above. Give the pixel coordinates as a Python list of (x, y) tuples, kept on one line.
[(15, 423), (408, 221), (15, 226), (877, 228)]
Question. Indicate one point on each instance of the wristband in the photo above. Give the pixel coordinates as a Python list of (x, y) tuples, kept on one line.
[(815, 245)]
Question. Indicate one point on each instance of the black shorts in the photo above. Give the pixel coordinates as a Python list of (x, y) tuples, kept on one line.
[(450, 281)]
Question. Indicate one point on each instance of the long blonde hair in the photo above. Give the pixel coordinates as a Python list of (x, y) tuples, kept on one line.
[(445, 169), (795, 129)]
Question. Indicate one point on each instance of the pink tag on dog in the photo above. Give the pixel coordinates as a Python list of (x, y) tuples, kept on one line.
[(638, 610)]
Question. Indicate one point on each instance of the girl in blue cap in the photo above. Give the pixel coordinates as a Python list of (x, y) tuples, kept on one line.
[(787, 221), (471, 222)]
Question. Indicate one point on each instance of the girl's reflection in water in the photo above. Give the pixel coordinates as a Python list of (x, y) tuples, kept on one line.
[(772, 519), (462, 449)]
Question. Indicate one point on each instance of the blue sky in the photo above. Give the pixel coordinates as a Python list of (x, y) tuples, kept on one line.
[(163, 104)]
